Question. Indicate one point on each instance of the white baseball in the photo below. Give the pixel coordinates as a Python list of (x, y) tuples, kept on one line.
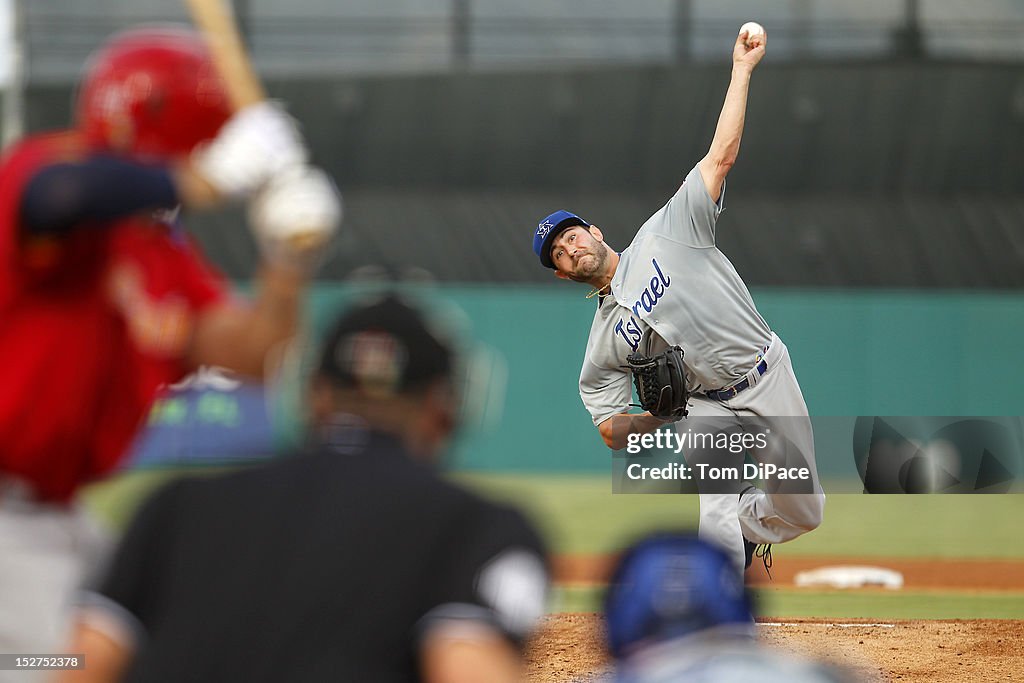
[(753, 30)]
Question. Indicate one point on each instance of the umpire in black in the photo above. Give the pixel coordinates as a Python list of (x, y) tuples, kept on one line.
[(352, 561)]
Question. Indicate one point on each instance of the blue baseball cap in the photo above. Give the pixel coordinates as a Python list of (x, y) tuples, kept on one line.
[(548, 229), (671, 585)]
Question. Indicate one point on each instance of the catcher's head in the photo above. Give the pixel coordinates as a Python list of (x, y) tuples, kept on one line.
[(384, 364), (151, 92), (669, 586)]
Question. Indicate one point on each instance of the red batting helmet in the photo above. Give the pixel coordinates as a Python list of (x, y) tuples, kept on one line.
[(152, 92)]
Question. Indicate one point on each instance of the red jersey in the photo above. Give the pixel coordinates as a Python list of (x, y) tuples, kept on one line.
[(92, 324)]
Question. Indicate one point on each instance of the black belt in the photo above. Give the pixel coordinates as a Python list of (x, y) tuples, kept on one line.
[(730, 392)]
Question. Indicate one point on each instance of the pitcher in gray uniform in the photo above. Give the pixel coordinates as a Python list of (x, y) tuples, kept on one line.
[(672, 286)]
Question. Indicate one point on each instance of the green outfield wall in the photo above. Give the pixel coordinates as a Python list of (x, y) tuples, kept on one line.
[(863, 352)]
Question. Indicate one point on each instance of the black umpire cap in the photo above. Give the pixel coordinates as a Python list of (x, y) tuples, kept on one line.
[(384, 348)]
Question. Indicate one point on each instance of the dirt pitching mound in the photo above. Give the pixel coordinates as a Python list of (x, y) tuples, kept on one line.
[(569, 648)]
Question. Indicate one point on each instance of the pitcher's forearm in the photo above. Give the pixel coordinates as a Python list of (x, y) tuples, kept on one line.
[(725, 146), (616, 430)]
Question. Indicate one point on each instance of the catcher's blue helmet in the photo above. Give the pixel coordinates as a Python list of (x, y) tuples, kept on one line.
[(669, 586)]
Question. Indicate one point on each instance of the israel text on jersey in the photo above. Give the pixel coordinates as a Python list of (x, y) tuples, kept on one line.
[(649, 298)]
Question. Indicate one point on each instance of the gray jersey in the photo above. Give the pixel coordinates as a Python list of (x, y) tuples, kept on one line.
[(673, 286)]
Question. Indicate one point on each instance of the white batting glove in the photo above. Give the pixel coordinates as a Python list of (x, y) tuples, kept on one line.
[(255, 144), (294, 217)]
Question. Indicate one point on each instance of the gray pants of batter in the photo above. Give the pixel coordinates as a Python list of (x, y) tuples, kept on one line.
[(46, 552), (761, 516)]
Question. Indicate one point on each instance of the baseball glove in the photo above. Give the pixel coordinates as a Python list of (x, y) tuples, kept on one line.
[(660, 383)]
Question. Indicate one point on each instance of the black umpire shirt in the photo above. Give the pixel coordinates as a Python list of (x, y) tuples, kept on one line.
[(329, 565)]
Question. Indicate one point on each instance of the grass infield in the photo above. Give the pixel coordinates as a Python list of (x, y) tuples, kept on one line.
[(861, 604), (579, 514)]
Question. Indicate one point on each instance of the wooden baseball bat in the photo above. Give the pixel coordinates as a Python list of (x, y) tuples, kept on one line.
[(215, 20)]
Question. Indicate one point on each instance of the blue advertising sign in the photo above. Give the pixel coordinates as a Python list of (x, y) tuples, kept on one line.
[(210, 417)]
